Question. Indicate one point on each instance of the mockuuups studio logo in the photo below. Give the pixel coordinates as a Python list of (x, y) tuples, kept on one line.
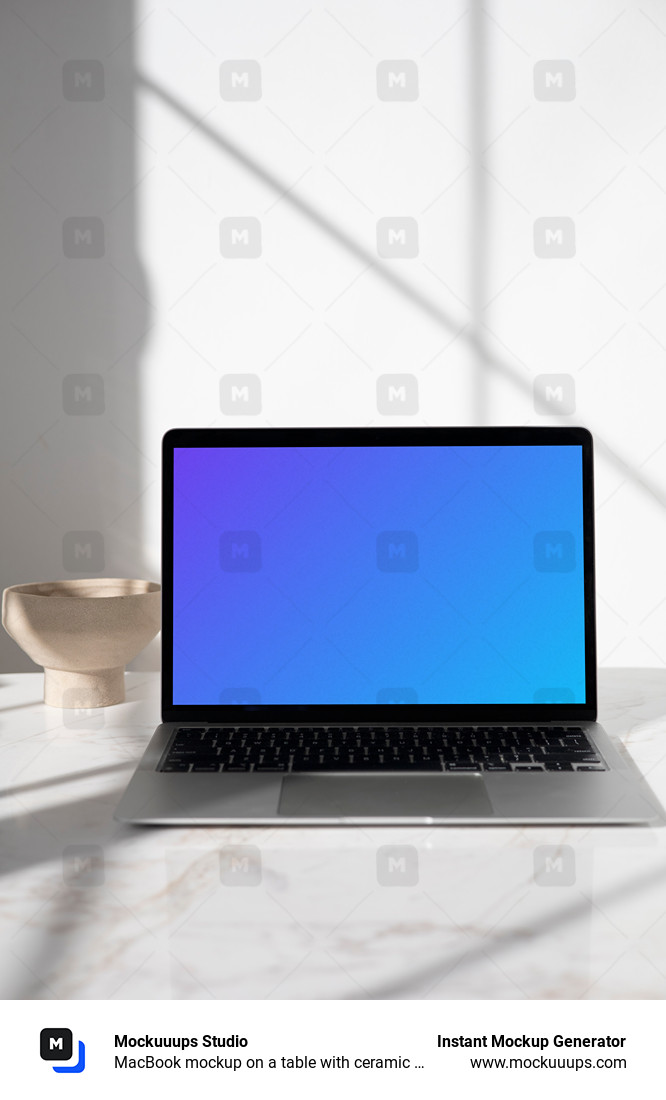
[(397, 552), (554, 238), (83, 81), (554, 865), (76, 715), (240, 551), (240, 238), (398, 81), (240, 394), (398, 238), (240, 865), (240, 697), (397, 865), (83, 552), (554, 695), (554, 552), (397, 395), (554, 81), (240, 81), (397, 695), (56, 1045), (83, 238), (83, 394), (554, 395), (83, 865)]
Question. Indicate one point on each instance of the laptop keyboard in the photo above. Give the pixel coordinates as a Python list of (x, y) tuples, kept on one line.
[(380, 748)]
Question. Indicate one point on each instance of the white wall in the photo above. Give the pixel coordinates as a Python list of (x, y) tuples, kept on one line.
[(483, 148)]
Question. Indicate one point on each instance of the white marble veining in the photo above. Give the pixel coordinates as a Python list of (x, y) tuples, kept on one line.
[(148, 913)]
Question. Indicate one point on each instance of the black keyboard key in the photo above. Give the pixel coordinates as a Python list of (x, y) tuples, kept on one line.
[(446, 753), (197, 767), (551, 757)]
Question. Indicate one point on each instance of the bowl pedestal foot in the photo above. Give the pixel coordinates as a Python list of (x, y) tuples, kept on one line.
[(100, 687)]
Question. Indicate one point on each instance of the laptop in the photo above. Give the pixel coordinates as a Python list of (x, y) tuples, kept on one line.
[(380, 626)]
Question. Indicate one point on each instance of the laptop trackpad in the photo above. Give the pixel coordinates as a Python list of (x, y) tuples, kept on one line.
[(384, 796)]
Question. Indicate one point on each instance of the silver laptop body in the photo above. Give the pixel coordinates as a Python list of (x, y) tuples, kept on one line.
[(305, 569)]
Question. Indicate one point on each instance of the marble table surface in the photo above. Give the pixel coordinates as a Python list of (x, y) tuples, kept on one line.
[(90, 908)]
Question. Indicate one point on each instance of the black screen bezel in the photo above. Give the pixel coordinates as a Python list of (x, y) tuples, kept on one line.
[(413, 713)]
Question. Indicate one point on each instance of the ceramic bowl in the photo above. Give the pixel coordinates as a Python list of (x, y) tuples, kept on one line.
[(83, 632)]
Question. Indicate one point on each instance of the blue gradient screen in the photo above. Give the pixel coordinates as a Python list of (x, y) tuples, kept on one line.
[(379, 574)]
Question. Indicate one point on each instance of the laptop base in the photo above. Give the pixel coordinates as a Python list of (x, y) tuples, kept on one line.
[(618, 796)]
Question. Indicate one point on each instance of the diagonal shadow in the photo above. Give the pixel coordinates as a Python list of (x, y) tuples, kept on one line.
[(547, 926), (469, 333), (64, 913), (71, 777), (40, 837), (21, 706), (33, 837), (305, 207)]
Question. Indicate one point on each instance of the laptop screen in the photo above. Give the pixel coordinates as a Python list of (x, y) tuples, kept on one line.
[(355, 575)]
